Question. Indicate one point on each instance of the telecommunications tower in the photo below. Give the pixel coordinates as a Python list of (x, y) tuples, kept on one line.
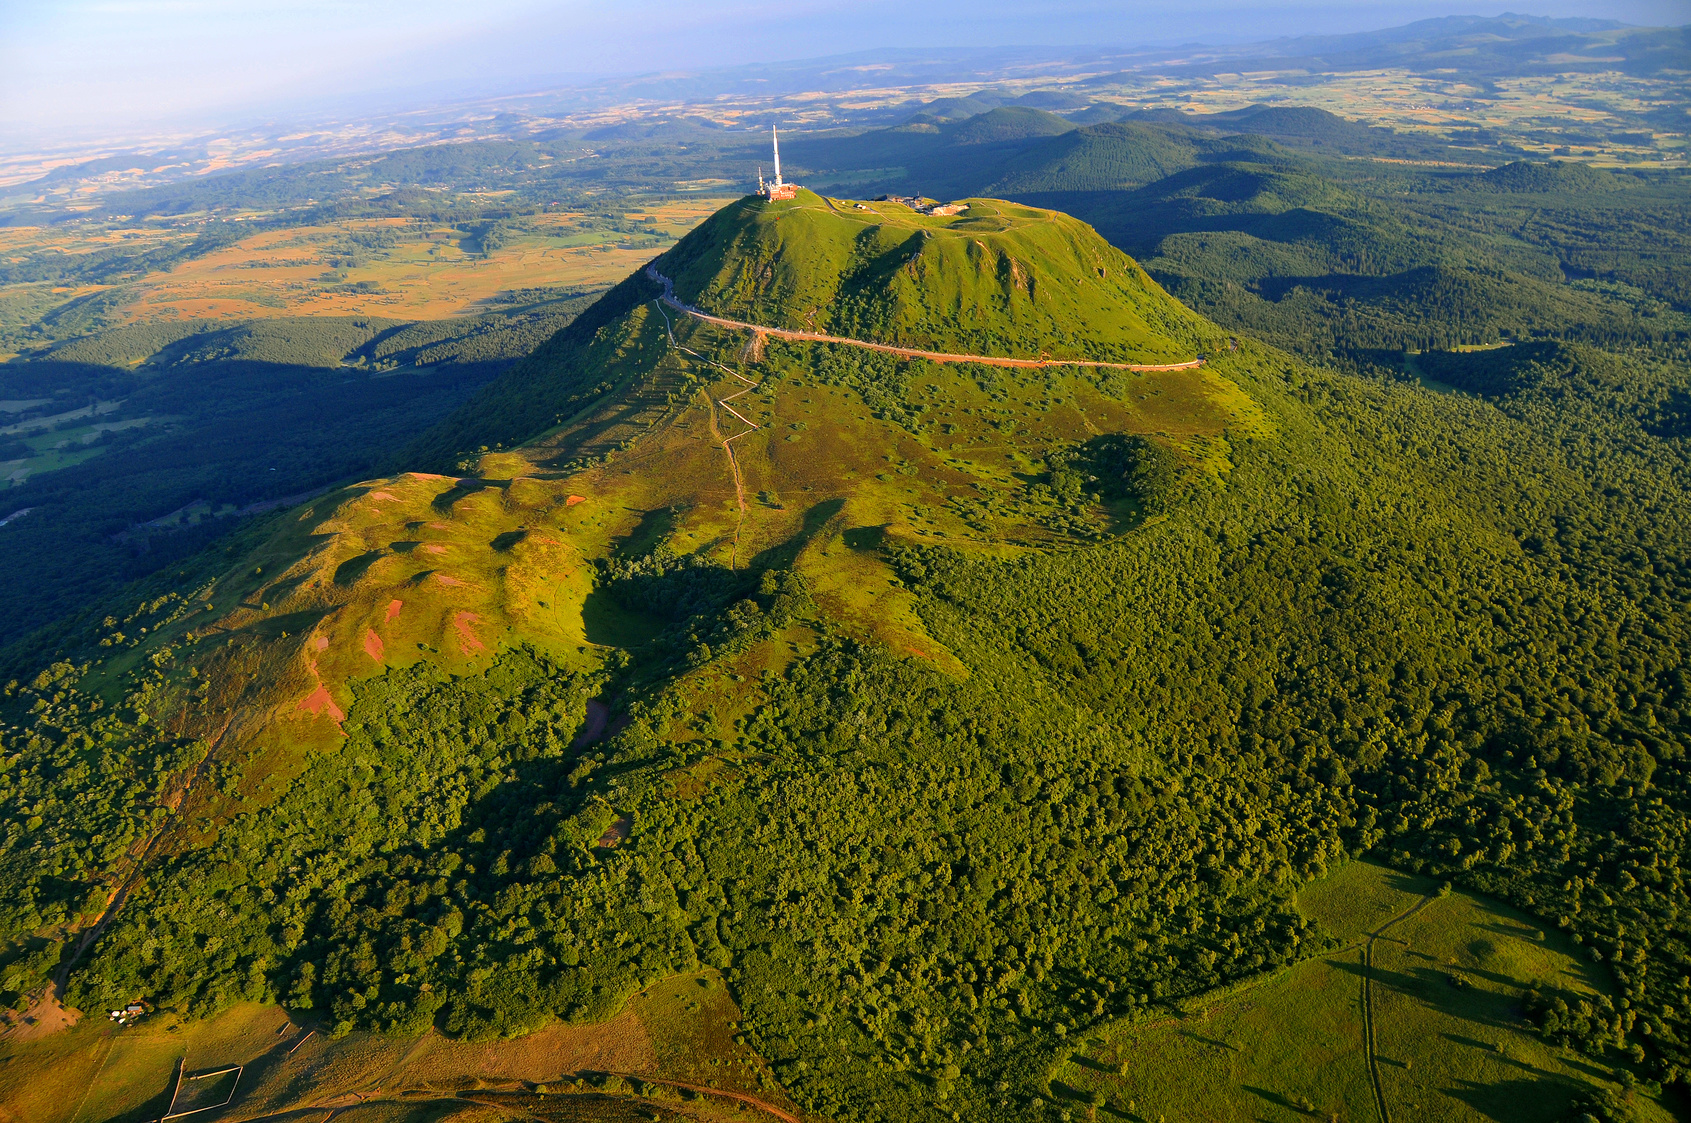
[(779, 189)]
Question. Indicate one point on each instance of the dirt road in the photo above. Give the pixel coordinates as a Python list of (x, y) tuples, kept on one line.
[(901, 352)]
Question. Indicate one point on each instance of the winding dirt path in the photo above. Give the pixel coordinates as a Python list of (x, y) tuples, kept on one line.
[(1368, 1031), (903, 352), (759, 332), (1368, 1003), (727, 446), (888, 349)]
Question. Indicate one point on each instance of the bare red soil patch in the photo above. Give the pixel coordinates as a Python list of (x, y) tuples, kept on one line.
[(321, 643), (614, 833), (373, 644), (433, 549), (45, 1016), (424, 476), (318, 701), (452, 582), (383, 495), (574, 499), (462, 622), (393, 609)]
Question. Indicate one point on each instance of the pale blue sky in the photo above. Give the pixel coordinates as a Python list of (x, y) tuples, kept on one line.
[(79, 65)]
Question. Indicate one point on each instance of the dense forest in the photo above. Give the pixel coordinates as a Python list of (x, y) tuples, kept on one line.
[(1447, 631)]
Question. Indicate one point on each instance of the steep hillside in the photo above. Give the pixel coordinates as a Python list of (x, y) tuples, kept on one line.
[(997, 280), (1551, 178), (967, 721), (131, 449)]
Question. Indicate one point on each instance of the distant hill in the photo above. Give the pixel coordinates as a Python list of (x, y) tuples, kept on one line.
[(1323, 257), (1300, 125), (1509, 45), (1120, 155), (1008, 123), (1555, 176), (984, 101), (1010, 150), (1290, 255)]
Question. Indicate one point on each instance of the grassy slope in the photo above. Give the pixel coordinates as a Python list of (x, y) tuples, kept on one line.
[(229, 416), (1447, 986), (999, 279)]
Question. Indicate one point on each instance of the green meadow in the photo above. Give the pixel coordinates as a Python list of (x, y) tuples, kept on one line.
[(1449, 976)]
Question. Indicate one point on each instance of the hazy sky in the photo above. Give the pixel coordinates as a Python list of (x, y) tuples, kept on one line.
[(108, 65)]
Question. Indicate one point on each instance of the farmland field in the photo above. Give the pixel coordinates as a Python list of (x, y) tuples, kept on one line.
[(673, 1046), (399, 269)]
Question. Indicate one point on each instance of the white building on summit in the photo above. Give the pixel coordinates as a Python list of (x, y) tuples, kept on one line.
[(779, 189)]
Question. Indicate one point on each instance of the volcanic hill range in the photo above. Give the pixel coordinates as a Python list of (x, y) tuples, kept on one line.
[(854, 450), (945, 709)]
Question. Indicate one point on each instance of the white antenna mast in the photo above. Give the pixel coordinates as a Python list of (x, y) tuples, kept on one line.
[(777, 188)]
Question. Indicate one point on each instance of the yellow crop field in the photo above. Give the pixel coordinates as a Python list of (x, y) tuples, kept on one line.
[(394, 268), (1437, 107)]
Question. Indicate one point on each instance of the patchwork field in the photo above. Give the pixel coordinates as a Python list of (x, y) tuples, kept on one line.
[(405, 270), (1440, 980), (394, 268), (1526, 111), (46, 444)]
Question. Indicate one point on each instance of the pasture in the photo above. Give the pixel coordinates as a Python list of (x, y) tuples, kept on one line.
[(1447, 976), (674, 1044)]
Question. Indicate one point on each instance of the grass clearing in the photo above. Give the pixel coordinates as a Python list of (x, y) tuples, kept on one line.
[(96, 1072), (1451, 1040)]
